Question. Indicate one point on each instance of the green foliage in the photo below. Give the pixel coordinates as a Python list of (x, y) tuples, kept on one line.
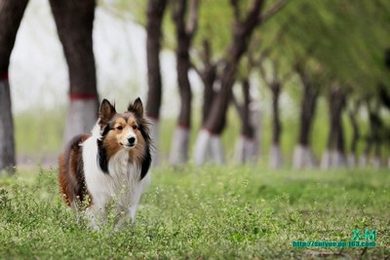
[(347, 38), (213, 212)]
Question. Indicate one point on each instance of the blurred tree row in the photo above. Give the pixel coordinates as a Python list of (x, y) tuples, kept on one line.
[(337, 50), (333, 49)]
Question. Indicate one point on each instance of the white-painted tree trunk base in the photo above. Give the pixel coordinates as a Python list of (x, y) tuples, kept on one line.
[(155, 136), (376, 162), (82, 116), (326, 160), (7, 145), (363, 160), (216, 148), (388, 163), (275, 157), (202, 147), (179, 146), (208, 148), (256, 120), (303, 157), (247, 150), (351, 160), (333, 159)]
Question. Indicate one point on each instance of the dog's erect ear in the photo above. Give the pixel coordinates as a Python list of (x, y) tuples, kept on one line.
[(106, 111), (137, 108)]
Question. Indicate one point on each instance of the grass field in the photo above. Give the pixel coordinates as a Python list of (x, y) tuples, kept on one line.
[(213, 212)]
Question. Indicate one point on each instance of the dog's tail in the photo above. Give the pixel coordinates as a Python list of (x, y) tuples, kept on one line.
[(71, 172)]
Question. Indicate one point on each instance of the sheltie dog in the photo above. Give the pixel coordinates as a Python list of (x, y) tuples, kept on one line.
[(110, 165)]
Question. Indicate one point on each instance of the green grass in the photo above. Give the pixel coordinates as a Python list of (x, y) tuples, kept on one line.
[(39, 132), (211, 212)]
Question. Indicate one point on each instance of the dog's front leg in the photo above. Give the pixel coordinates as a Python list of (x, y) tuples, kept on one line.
[(95, 216), (123, 217), (132, 213)]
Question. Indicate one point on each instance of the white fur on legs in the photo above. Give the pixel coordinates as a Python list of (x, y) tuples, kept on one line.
[(96, 216)]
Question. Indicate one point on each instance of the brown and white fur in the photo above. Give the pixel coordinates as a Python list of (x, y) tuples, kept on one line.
[(109, 165)]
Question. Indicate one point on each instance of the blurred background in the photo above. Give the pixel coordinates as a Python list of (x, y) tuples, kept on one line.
[(284, 83)]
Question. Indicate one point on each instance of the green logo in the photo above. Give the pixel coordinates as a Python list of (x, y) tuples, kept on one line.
[(358, 239), (368, 235)]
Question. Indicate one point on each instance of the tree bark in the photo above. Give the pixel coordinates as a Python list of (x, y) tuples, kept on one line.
[(247, 146), (74, 20), (208, 76), (185, 30), (11, 14), (376, 128), (183, 63), (155, 15), (355, 134), (335, 154), (303, 156), (276, 159), (276, 124), (247, 128), (308, 109), (242, 33)]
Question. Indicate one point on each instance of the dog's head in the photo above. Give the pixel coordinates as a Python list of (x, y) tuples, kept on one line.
[(128, 131)]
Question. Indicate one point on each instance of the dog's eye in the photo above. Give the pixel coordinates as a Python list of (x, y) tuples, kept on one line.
[(135, 127), (119, 127)]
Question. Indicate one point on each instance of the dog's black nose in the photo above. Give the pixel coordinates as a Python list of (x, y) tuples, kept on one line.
[(131, 140)]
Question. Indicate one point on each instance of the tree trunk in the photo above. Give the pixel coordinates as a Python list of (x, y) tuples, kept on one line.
[(247, 146), (11, 14), (74, 20), (208, 76), (355, 135), (276, 125), (7, 141), (276, 159), (334, 156), (363, 160), (247, 129), (303, 156), (180, 140), (376, 128), (155, 14), (208, 148), (242, 33)]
